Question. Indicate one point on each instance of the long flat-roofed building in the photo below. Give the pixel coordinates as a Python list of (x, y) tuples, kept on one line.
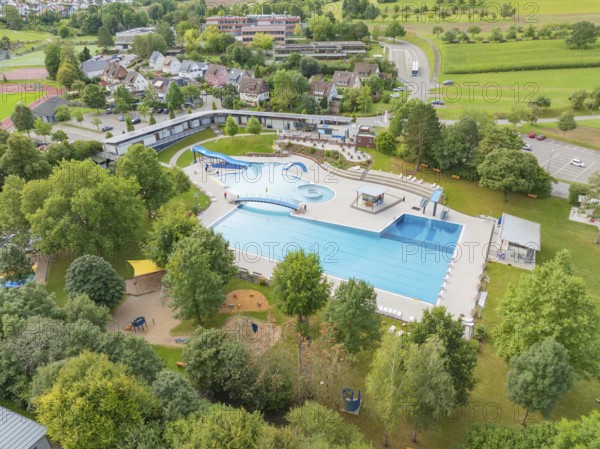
[(320, 50), (124, 39), (279, 26), (166, 133)]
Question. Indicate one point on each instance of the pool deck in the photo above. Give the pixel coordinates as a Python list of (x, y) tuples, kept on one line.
[(463, 281)]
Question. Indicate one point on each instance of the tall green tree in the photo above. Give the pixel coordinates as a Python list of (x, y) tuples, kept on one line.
[(583, 34), (170, 226), (566, 122), (539, 377), (513, 171), (174, 96), (12, 219), (540, 306), (353, 314), (394, 30), (95, 277), (105, 38), (91, 389), (421, 132), (81, 307), (22, 159), (22, 118), (68, 73), (300, 286), (83, 208), (231, 127), (197, 291), (176, 395), (384, 383), (460, 355), (14, 264), (94, 96), (495, 138), (386, 142), (42, 128), (254, 126), (52, 59), (141, 163), (427, 385)]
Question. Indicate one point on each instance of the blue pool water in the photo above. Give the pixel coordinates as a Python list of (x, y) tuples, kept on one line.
[(272, 180), (410, 257)]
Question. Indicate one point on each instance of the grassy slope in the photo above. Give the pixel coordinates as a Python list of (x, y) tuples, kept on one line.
[(586, 134), (166, 154)]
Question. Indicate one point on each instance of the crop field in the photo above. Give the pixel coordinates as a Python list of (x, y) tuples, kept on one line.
[(508, 56)]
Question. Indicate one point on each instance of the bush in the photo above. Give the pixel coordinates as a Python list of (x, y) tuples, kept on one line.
[(312, 150), (575, 190), (96, 278)]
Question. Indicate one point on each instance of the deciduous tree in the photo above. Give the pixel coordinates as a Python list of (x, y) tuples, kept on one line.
[(566, 122), (254, 126), (421, 132), (22, 159), (231, 127), (22, 118), (95, 277), (94, 96)]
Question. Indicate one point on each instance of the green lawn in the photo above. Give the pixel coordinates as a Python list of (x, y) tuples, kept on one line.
[(9, 101), (166, 154), (170, 355), (510, 56), (586, 134), (499, 91), (33, 59)]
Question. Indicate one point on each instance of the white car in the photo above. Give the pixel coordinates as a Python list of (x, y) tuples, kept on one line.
[(577, 163), (394, 95), (399, 89)]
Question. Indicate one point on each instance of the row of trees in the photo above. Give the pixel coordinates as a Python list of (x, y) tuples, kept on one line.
[(473, 147)]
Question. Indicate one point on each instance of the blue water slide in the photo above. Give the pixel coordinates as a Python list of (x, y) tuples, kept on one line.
[(232, 163), (299, 164)]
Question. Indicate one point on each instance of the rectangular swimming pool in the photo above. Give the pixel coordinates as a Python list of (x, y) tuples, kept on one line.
[(410, 257)]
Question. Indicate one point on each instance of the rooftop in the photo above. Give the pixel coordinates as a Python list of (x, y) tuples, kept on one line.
[(18, 432), (520, 231)]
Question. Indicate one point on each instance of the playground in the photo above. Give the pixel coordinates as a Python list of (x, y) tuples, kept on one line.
[(244, 301)]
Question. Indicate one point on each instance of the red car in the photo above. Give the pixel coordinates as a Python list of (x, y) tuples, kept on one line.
[(532, 135), (541, 137)]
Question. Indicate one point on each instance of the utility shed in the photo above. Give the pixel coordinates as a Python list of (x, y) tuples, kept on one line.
[(19, 432)]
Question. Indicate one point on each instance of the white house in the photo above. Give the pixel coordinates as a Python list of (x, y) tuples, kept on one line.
[(135, 82), (192, 70), (18, 432), (171, 65), (156, 60), (235, 76), (320, 89), (253, 90)]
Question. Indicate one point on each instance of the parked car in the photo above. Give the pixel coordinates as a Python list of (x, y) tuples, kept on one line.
[(577, 163), (159, 110), (122, 118), (189, 105), (526, 147), (203, 92), (38, 143), (107, 128), (136, 120), (532, 135), (399, 89), (151, 110), (166, 111), (448, 83), (394, 95), (540, 137), (437, 102), (109, 111)]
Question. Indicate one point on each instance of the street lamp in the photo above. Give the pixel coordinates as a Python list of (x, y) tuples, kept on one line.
[(550, 160), (196, 198)]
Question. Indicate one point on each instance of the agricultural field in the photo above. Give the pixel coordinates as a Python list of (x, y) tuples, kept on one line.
[(508, 56)]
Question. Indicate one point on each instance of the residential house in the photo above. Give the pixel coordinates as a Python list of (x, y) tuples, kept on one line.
[(191, 69), (171, 65), (320, 89), (46, 110), (156, 60), (236, 76), (18, 432), (114, 72), (346, 80), (253, 90), (216, 75), (161, 84), (364, 70), (135, 82), (93, 68)]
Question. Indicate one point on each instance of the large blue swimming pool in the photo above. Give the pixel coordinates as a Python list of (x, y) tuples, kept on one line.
[(410, 257)]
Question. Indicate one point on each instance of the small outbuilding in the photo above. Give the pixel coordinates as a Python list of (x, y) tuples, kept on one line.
[(19, 432), (371, 195), (46, 110), (519, 239)]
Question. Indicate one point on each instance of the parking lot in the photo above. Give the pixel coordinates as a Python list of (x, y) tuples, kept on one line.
[(556, 157)]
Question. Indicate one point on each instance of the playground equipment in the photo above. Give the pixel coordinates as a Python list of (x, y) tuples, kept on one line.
[(139, 323), (226, 161), (299, 164), (351, 404)]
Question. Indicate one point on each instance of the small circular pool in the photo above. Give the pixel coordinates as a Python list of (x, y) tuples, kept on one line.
[(312, 193)]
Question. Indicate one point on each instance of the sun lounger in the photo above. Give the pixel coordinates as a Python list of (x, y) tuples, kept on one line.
[(392, 329), (399, 333)]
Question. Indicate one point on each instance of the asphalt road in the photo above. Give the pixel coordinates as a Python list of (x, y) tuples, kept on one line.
[(403, 54)]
